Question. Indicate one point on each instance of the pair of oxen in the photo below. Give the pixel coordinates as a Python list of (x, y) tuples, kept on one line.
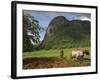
[(79, 53)]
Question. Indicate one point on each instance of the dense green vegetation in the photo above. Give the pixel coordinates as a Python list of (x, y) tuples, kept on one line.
[(31, 30), (71, 34)]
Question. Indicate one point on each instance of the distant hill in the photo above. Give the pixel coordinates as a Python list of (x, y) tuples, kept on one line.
[(62, 33)]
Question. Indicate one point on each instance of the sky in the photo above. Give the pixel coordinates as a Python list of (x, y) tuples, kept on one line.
[(45, 17)]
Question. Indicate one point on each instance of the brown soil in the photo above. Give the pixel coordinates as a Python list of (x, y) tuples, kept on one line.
[(37, 63)]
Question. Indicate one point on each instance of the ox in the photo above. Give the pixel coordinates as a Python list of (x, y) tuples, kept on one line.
[(79, 53)]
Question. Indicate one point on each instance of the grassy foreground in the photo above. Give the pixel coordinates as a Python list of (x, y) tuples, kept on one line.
[(47, 53), (51, 58)]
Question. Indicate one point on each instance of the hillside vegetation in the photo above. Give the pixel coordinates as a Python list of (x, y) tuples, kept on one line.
[(62, 33)]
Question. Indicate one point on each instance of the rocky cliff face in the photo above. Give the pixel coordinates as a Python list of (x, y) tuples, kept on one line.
[(55, 23), (66, 34)]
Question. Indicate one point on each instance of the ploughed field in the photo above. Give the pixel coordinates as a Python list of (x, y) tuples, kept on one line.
[(51, 59)]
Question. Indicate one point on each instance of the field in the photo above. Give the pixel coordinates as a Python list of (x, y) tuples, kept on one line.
[(51, 58)]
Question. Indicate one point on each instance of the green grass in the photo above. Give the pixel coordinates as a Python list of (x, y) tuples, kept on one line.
[(49, 53)]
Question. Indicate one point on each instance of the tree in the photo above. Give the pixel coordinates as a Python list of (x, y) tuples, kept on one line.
[(31, 29)]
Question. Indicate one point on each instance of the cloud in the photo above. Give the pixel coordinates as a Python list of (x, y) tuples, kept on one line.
[(85, 18)]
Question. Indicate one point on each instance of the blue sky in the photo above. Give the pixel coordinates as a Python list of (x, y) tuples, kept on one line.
[(45, 17)]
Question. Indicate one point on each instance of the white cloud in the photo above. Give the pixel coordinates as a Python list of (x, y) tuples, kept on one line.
[(85, 18)]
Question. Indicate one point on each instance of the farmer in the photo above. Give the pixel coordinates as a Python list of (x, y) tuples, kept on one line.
[(61, 53)]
